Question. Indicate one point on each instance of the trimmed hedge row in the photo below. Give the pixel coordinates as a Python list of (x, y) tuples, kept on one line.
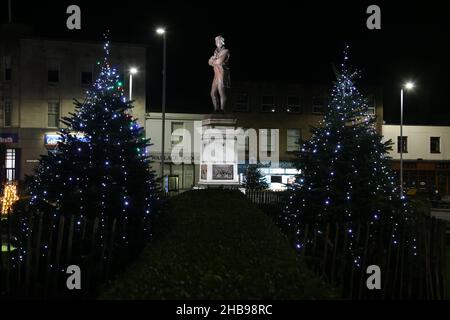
[(214, 244)]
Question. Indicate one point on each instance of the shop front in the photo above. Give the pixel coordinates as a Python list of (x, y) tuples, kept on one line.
[(9, 157), (278, 178), (429, 174)]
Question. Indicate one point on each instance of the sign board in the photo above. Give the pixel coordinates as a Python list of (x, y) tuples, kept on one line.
[(9, 137), (52, 139)]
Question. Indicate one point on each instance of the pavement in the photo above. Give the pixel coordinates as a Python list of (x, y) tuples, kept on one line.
[(443, 215)]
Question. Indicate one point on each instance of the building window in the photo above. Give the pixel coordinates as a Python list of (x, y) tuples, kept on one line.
[(176, 138), (435, 144), (53, 72), (7, 112), (243, 146), (318, 104), (53, 114), (269, 140), (10, 164), (293, 104), (7, 73), (242, 102), (276, 179), (173, 183), (371, 105), (86, 78), (293, 140), (266, 146), (405, 144), (268, 104)]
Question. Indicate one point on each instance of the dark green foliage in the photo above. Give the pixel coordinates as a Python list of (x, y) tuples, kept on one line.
[(254, 180), (345, 175), (214, 244), (100, 166)]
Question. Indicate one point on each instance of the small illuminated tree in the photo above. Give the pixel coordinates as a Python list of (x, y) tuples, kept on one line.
[(345, 175), (254, 180), (100, 167)]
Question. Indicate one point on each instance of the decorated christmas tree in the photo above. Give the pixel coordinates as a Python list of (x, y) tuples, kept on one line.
[(100, 167), (254, 180), (345, 175)]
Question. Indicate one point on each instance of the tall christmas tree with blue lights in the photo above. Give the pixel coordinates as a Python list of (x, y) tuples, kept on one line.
[(100, 167), (345, 175)]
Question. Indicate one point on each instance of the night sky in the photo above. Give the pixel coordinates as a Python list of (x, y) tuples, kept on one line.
[(281, 41)]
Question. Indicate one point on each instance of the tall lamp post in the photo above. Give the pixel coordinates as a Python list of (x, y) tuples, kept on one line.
[(408, 86), (162, 32), (133, 71)]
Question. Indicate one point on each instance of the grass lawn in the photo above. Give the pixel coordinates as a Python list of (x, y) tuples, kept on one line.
[(214, 244)]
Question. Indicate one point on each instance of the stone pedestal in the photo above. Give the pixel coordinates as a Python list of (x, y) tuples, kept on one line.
[(219, 153)]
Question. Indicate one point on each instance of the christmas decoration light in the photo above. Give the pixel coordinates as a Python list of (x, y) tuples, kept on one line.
[(9, 197), (345, 177), (100, 166)]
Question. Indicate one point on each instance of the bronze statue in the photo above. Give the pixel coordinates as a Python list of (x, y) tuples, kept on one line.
[(219, 62)]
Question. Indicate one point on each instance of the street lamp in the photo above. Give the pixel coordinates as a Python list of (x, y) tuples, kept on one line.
[(407, 86), (9, 12), (162, 32), (133, 71)]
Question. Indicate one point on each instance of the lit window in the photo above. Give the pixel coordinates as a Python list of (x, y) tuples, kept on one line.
[(435, 145), (371, 105), (10, 164), (268, 104), (266, 140), (405, 144), (293, 104), (53, 114), (173, 183), (244, 144), (293, 140)]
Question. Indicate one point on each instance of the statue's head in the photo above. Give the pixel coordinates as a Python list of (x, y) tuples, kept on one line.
[(220, 41)]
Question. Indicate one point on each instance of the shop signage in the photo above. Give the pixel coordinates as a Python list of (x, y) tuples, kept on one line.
[(52, 139), (9, 138)]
